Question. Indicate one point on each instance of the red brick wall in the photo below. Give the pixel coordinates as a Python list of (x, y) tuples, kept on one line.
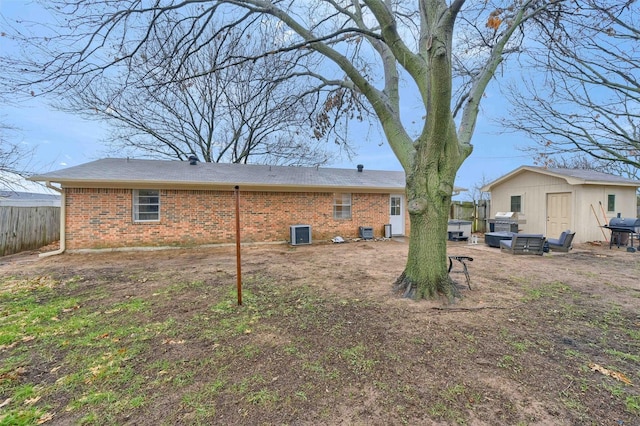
[(101, 218)]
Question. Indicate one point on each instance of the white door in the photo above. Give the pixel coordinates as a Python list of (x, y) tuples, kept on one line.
[(558, 213), (396, 214)]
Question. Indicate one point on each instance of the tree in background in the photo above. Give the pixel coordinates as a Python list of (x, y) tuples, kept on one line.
[(248, 112), (13, 157), (586, 162), (427, 58), (587, 104)]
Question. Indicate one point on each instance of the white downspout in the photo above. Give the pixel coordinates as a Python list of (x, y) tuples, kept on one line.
[(63, 214)]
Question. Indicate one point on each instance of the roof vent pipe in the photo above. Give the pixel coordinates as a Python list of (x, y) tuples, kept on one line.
[(193, 160), (360, 167)]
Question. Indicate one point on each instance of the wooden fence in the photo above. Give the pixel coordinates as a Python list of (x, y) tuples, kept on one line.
[(27, 228), (475, 212)]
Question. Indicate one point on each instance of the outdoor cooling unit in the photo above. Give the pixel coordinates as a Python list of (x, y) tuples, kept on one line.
[(300, 234), (366, 232)]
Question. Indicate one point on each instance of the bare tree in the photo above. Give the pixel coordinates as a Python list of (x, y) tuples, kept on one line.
[(476, 194), (587, 162), (14, 158), (441, 53), (248, 112), (587, 101)]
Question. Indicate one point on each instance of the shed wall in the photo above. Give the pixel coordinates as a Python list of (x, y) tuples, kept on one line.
[(593, 195), (534, 187)]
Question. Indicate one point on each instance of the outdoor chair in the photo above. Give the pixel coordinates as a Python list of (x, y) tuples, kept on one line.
[(524, 244), (563, 243)]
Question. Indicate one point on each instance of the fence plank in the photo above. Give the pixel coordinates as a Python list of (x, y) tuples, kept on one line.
[(28, 228)]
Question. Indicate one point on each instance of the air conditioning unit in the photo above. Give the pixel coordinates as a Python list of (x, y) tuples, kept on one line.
[(366, 232), (300, 234)]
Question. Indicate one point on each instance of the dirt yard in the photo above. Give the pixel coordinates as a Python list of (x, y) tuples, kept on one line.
[(320, 339)]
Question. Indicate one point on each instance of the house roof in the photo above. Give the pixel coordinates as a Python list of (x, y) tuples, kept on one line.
[(571, 176), (133, 173), (28, 199), (12, 182)]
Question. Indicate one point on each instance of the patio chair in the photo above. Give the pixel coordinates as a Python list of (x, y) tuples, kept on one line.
[(524, 244), (563, 243)]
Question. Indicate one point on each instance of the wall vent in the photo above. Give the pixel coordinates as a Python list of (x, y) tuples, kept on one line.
[(300, 234)]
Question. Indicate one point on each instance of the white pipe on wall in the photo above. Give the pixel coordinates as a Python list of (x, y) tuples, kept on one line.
[(63, 211)]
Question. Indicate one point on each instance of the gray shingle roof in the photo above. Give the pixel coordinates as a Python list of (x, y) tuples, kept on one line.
[(572, 176), (28, 199), (591, 175), (122, 172)]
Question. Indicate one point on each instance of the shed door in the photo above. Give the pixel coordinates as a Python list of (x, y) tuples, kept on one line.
[(396, 214), (558, 213)]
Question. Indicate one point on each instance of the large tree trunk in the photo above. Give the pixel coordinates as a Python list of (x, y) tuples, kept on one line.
[(429, 191), (425, 275)]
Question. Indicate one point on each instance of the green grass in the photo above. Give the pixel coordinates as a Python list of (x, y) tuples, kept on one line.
[(632, 404), (107, 357), (90, 350), (554, 289), (624, 355), (356, 357)]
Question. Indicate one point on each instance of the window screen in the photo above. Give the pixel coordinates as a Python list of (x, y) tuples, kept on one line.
[(516, 203), (342, 206), (146, 205)]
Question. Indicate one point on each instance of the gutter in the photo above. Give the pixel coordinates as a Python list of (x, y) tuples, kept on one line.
[(63, 213)]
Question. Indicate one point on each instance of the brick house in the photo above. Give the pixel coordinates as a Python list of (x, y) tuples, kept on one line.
[(112, 203)]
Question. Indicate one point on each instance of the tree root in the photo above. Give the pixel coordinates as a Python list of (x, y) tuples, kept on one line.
[(479, 308), (407, 288)]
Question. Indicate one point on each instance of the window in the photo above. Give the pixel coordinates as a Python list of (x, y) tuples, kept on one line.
[(146, 205), (516, 203), (342, 206), (611, 203), (396, 209)]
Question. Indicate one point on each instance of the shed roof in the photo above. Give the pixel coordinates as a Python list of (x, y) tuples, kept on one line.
[(571, 176), (134, 173)]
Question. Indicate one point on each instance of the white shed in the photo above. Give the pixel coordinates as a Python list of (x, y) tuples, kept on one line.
[(548, 201)]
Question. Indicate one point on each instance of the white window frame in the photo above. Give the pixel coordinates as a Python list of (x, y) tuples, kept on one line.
[(395, 209), (611, 199), (521, 203), (342, 206), (150, 193)]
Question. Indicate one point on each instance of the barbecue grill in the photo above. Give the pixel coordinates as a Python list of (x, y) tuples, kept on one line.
[(504, 222), (622, 230)]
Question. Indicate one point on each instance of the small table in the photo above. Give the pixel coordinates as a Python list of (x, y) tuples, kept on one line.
[(463, 260), (492, 239)]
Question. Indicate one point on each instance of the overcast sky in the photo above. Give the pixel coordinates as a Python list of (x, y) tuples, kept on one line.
[(62, 140)]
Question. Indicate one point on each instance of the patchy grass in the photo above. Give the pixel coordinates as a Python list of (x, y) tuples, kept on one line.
[(146, 342)]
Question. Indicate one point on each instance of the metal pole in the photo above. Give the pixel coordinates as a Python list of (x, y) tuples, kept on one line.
[(238, 262)]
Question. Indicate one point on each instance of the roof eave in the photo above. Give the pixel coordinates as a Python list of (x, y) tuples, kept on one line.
[(569, 179), (141, 184)]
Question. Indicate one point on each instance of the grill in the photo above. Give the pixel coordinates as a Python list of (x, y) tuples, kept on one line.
[(622, 231), (504, 222)]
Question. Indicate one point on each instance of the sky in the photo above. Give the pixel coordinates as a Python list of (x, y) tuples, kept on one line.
[(61, 140)]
